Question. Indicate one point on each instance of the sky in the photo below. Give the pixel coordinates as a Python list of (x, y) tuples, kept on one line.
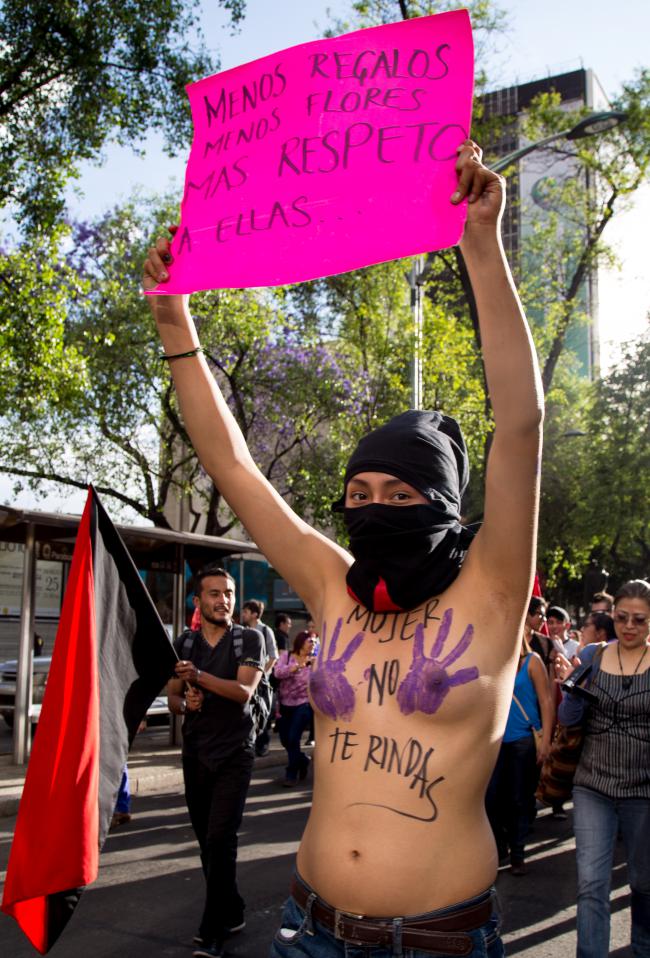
[(540, 39)]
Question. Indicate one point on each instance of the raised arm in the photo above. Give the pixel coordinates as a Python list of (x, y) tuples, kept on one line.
[(304, 557), (505, 546)]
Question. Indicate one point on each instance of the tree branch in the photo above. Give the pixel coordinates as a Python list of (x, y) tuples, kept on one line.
[(10, 103), (141, 461), (77, 484)]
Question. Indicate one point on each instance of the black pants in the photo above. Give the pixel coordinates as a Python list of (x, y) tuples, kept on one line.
[(293, 722), (510, 799), (215, 800)]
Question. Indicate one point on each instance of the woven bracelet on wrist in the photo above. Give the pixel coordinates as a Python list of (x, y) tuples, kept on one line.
[(191, 352)]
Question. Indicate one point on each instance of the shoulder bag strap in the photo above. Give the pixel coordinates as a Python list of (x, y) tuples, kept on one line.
[(521, 708)]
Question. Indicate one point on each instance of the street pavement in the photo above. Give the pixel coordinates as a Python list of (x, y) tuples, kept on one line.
[(146, 902)]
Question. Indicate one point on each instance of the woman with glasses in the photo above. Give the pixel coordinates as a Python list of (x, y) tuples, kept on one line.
[(612, 781), (535, 619), (598, 627)]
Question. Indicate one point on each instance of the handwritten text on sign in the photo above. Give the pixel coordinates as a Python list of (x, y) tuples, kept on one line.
[(326, 157)]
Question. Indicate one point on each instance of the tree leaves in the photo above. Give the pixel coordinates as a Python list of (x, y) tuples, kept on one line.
[(74, 75)]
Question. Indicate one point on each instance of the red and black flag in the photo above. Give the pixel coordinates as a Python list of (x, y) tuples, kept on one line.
[(112, 656)]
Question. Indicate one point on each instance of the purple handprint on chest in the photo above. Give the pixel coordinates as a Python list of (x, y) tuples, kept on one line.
[(331, 692), (427, 682)]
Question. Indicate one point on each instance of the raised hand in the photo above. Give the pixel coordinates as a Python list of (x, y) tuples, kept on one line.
[(484, 189), (155, 273), (331, 692), (427, 682)]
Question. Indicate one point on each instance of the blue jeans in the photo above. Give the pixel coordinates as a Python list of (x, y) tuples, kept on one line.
[(294, 719), (596, 820), (299, 938), (123, 803)]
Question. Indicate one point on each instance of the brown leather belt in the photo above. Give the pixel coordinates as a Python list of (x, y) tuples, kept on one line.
[(445, 933)]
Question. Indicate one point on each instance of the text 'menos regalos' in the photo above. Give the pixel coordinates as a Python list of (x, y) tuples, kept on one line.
[(326, 157)]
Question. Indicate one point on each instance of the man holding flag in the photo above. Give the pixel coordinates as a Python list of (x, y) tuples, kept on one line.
[(219, 670)]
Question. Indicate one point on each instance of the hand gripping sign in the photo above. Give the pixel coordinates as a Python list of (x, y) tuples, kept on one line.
[(326, 157)]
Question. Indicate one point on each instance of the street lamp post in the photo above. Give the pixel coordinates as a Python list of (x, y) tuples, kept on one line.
[(590, 125), (416, 279)]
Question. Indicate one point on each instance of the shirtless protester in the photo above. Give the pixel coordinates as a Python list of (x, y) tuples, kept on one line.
[(419, 630)]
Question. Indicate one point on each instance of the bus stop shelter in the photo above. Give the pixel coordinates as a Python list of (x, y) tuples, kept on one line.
[(52, 536)]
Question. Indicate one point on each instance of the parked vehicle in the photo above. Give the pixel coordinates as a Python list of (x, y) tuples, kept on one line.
[(158, 713)]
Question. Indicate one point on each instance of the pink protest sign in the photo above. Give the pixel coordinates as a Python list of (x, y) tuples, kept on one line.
[(326, 157)]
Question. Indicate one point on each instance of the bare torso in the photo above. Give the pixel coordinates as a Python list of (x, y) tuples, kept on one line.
[(405, 748)]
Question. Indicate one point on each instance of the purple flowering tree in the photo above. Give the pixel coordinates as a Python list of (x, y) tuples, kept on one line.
[(120, 425)]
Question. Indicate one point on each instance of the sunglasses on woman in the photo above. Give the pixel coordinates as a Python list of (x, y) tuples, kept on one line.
[(634, 618)]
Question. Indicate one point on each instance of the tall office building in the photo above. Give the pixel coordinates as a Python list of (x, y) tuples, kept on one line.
[(576, 89)]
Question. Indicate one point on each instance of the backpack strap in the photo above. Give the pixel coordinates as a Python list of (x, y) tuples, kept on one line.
[(237, 634), (187, 645)]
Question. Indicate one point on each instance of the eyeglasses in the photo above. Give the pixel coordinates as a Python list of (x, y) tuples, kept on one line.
[(540, 614), (634, 618)]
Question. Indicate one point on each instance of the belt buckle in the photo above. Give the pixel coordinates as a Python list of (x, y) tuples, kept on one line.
[(339, 916)]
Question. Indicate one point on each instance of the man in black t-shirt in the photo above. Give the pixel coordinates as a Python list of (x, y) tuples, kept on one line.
[(213, 689)]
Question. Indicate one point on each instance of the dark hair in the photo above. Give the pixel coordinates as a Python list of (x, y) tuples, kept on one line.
[(206, 573), (603, 621), (253, 606), (634, 589), (557, 612), (300, 640), (603, 597), (535, 604), (281, 618)]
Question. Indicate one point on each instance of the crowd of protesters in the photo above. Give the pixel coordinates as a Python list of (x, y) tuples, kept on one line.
[(611, 793), (612, 784), (409, 552)]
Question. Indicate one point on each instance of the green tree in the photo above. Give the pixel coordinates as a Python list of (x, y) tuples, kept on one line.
[(119, 426), (74, 75), (595, 486), (564, 545), (38, 285), (616, 509), (567, 239)]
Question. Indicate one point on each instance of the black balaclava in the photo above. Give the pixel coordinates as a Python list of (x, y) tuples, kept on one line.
[(406, 554)]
